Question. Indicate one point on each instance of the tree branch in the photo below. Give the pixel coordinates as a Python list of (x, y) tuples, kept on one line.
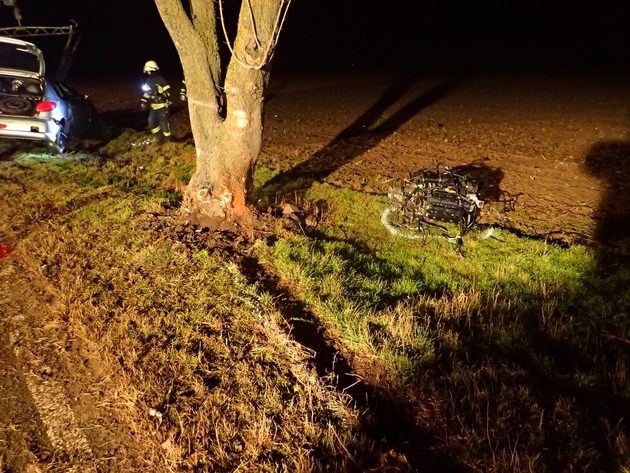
[(176, 21), (196, 42), (204, 18)]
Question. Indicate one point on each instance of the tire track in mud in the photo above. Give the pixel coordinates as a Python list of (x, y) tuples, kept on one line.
[(52, 405), (42, 425), (21, 432)]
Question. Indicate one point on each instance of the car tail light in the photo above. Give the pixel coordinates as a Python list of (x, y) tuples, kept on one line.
[(2, 125), (46, 106)]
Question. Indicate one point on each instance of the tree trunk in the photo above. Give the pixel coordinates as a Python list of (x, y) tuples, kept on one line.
[(227, 140)]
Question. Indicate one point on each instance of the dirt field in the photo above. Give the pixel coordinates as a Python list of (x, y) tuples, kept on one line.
[(551, 151), (554, 144)]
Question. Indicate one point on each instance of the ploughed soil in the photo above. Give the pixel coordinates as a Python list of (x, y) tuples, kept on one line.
[(550, 149)]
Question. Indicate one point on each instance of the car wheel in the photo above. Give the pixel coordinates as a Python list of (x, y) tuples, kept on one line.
[(59, 145)]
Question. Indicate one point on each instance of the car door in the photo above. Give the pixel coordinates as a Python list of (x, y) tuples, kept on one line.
[(81, 113)]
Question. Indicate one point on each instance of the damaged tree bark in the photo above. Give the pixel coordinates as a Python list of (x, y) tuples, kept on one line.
[(226, 110)]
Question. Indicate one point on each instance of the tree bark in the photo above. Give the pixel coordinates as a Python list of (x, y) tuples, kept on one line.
[(227, 139)]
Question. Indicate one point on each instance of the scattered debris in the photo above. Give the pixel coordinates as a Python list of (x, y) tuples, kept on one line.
[(145, 142), (155, 413), (5, 251), (294, 217)]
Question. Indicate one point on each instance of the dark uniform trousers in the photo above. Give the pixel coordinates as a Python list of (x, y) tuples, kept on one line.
[(157, 94)]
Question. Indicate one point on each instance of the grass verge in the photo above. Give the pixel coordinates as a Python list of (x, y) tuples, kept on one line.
[(515, 353), (190, 356)]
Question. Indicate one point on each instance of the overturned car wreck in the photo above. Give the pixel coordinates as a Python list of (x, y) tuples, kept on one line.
[(428, 199)]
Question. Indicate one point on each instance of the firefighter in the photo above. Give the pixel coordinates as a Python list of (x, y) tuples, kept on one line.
[(155, 97), (183, 91)]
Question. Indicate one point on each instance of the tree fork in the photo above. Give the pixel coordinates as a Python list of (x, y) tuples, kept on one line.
[(229, 141)]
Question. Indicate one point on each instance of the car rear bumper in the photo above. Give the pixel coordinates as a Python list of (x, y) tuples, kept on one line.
[(28, 129)]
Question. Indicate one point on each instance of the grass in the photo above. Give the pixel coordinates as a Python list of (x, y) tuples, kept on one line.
[(523, 343), (512, 358), (178, 327)]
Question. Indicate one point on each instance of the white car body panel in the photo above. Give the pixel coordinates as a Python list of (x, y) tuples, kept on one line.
[(22, 89)]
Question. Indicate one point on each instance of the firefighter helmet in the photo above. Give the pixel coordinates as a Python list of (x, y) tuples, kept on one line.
[(150, 66)]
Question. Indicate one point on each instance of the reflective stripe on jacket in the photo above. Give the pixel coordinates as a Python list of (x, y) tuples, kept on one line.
[(156, 91)]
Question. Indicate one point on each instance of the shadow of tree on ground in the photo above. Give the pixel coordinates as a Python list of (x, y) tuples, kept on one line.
[(361, 135), (388, 422)]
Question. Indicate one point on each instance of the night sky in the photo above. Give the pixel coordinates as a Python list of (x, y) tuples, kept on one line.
[(118, 36)]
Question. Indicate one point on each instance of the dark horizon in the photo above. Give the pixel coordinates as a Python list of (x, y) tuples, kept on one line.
[(327, 35)]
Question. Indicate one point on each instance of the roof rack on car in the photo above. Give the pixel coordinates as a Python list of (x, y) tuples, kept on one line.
[(25, 31), (38, 31)]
